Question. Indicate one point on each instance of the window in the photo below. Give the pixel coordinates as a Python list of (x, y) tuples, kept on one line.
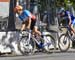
[(4, 13)]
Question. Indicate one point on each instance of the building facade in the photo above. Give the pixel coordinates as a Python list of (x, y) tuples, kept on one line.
[(4, 13), (4, 7)]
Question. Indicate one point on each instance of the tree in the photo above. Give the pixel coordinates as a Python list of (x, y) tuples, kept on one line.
[(66, 3), (12, 16)]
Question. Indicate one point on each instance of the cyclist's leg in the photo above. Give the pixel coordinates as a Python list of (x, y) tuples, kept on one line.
[(23, 26), (33, 22), (72, 26), (36, 31), (34, 28)]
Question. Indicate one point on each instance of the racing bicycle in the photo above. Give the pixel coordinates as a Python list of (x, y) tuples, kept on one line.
[(28, 42), (65, 38)]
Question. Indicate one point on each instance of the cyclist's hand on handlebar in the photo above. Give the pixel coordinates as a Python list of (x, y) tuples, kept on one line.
[(28, 30)]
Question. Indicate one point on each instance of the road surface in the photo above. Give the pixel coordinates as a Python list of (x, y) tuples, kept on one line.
[(43, 56)]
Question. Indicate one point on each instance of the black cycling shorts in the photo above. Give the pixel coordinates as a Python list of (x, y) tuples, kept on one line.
[(33, 22)]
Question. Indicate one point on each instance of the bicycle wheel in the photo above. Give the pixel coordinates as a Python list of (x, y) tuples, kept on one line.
[(64, 43), (24, 45), (49, 42), (37, 43)]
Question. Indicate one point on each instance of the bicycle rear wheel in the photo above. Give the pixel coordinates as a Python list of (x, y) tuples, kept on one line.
[(64, 43), (49, 42)]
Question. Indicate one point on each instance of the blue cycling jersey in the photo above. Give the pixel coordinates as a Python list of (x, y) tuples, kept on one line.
[(25, 14), (67, 15), (71, 15)]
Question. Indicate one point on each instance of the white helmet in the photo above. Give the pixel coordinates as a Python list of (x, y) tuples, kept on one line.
[(61, 10)]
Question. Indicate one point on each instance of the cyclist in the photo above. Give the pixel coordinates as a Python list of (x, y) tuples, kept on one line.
[(68, 18), (27, 18)]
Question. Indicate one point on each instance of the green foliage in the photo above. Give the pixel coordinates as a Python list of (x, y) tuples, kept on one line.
[(43, 4), (66, 3)]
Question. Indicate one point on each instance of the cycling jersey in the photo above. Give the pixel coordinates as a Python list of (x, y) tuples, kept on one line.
[(68, 15), (25, 14)]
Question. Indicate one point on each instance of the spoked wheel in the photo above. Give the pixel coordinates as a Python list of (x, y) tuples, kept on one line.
[(37, 44), (24, 46), (49, 43), (64, 42)]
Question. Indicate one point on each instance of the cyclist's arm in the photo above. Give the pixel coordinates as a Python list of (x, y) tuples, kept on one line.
[(29, 23), (69, 18), (70, 23), (28, 14)]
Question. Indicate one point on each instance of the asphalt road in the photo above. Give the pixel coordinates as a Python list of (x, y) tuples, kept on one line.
[(43, 56)]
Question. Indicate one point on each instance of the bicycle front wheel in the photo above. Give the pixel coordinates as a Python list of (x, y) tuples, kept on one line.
[(24, 45), (64, 43)]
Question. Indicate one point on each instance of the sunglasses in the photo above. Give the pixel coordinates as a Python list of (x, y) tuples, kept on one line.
[(19, 9)]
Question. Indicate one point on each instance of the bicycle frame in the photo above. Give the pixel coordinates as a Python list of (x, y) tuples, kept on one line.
[(69, 33), (30, 35), (35, 39)]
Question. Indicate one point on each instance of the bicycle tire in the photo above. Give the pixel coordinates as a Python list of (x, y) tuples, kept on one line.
[(61, 43), (51, 41), (23, 48)]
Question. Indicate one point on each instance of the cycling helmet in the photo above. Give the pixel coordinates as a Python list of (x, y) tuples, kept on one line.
[(61, 10), (18, 7)]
